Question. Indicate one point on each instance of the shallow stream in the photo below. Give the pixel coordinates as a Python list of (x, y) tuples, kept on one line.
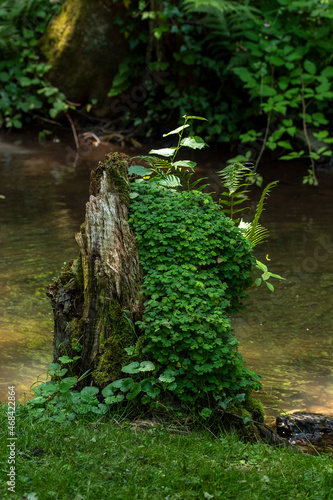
[(286, 336)]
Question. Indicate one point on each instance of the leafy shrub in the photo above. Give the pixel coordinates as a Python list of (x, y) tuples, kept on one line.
[(23, 89), (259, 71), (197, 265), (281, 53)]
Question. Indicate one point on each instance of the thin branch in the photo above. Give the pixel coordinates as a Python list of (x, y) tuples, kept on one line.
[(77, 144), (306, 135)]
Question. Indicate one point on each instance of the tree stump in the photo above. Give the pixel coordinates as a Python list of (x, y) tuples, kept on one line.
[(96, 299)]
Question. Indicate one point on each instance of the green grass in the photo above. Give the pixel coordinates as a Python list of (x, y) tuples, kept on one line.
[(123, 461)]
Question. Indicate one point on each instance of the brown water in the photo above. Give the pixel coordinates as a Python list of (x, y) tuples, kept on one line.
[(286, 336)]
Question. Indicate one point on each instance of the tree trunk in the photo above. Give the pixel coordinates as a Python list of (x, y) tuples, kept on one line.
[(96, 299)]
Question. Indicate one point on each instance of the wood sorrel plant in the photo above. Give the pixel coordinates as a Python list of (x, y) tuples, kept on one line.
[(197, 265)]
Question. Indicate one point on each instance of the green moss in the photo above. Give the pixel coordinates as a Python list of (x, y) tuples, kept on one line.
[(115, 167), (60, 31), (242, 418), (256, 409), (113, 341), (140, 343)]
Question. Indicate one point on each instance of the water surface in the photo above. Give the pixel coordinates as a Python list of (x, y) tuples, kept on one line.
[(45, 195)]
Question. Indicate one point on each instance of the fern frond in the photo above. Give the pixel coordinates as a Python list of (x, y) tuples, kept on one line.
[(232, 175), (159, 162), (260, 207), (260, 234), (217, 7), (170, 181), (155, 162)]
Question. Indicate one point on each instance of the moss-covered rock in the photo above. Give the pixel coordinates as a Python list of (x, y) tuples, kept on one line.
[(85, 47), (245, 419)]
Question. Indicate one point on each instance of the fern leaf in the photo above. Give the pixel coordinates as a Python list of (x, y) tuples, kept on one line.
[(170, 181), (260, 234), (260, 207), (232, 175)]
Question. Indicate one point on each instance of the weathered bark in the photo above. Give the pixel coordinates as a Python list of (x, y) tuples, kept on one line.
[(92, 293)]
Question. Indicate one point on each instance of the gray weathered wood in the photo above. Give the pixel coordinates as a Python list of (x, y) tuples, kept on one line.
[(90, 298)]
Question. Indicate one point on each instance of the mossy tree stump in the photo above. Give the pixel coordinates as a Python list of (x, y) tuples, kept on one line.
[(98, 293)]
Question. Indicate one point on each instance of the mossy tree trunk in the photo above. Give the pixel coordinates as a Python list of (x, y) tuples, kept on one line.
[(98, 293)]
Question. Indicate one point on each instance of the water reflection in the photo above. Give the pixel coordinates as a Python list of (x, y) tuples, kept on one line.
[(286, 336)]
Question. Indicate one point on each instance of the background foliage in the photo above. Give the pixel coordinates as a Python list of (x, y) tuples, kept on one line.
[(260, 71), (24, 91)]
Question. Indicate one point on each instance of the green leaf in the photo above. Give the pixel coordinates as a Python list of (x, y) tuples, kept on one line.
[(163, 152), (292, 156), (108, 391), (176, 131), (276, 61), (135, 390), (4, 77), (322, 134), (283, 82), (310, 67), (139, 170), (131, 368), (89, 391), (67, 383), (46, 389), (146, 366), (167, 376), (65, 359), (328, 72), (285, 144), (266, 91), (245, 75), (323, 87), (270, 286), (184, 163), (195, 118), (261, 266), (170, 181), (25, 81), (206, 412), (194, 142), (109, 400), (123, 384)]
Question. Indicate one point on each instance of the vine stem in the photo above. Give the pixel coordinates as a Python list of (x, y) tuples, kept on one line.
[(269, 117), (306, 135), (263, 147), (180, 135)]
